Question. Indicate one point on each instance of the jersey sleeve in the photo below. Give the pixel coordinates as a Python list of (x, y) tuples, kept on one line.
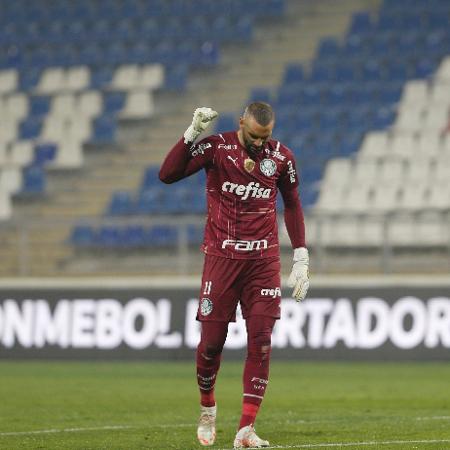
[(288, 184), (184, 159)]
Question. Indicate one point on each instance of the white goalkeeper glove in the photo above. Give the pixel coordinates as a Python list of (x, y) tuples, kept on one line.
[(202, 118), (299, 277)]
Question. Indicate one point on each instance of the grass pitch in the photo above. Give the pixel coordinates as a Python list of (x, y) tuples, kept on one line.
[(92, 405)]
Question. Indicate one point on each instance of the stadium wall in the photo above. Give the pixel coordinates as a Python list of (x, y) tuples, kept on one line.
[(382, 318)]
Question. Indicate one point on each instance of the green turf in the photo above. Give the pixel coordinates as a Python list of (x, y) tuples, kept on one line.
[(306, 404)]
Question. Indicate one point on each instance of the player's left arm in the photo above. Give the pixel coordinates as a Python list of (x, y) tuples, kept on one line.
[(295, 225)]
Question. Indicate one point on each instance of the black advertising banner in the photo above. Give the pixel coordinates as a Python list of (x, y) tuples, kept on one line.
[(361, 323)]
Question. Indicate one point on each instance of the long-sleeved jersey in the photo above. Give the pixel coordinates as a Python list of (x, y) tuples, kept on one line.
[(241, 194)]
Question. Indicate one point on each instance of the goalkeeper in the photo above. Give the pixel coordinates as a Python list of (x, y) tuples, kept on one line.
[(245, 169)]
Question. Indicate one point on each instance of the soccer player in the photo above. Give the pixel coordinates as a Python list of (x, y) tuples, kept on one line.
[(245, 169)]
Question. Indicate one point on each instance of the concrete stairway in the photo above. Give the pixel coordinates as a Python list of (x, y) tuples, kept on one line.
[(86, 193)]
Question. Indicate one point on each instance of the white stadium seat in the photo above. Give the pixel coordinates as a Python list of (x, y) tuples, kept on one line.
[(68, 156), (17, 105), (8, 81), (3, 155), (63, 105), (89, 104), (402, 231), (5, 205), (357, 198), (126, 77), (151, 76), (436, 117), (439, 197), (138, 105), (77, 78), (374, 146), (8, 131), (442, 171), (11, 179), (79, 130), (420, 170), (402, 146), (330, 198), (429, 143), (415, 93), (385, 198), (21, 153), (409, 119), (364, 173), (440, 93), (431, 230), (54, 128), (337, 171), (371, 231), (391, 172), (414, 196), (51, 81), (443, 72)]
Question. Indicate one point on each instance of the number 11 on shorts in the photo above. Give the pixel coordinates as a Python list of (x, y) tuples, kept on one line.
[(208, 286)]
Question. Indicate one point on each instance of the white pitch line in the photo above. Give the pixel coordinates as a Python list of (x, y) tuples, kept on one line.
[(188, 425), (66, 430), (352, 444)]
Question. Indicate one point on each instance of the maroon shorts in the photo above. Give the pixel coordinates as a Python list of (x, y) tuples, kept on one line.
[(254, 283)]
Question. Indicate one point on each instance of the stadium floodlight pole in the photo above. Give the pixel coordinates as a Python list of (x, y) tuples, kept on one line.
[(245, 170)]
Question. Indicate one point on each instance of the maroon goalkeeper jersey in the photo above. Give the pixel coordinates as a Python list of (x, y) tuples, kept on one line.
[(241, 193)]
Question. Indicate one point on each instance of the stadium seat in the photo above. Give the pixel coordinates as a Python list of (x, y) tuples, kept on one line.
[(30, 128), (8, 81), (121, 204), (104, 130), (83, 236), (34, 180), (44, 153)]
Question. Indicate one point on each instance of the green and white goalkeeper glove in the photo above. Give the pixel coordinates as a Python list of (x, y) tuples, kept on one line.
[(202, 118), (299, 277)]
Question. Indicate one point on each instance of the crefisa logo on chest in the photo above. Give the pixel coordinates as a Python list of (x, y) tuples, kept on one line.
[(268, 167)]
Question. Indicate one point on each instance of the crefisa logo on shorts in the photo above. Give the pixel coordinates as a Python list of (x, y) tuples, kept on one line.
[(274, 293), (206, 306)]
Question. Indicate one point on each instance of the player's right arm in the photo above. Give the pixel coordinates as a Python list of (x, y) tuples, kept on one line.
[(180, 161)]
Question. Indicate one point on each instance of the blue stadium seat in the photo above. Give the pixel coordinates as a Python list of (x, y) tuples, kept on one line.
[(82, 236), (34, 180), (113, 102), (109, 236), (30, 128), (151, 201), (328, 47), (29, 78), (101, 77), (209, 54), (361, 22), (195, 234), (104, 132), (121, 204), (225, 122), (150, 178), (39, 106), (293, 73), (176, 77), (260, 94), (163, 236), (134, 237), (44, 153)]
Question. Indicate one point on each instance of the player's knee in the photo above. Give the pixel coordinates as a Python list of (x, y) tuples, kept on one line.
[(259, 348), (211, 350)]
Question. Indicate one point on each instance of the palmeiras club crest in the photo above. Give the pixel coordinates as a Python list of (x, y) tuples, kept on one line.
[(249, 164), (206, 306), (268, 167)]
